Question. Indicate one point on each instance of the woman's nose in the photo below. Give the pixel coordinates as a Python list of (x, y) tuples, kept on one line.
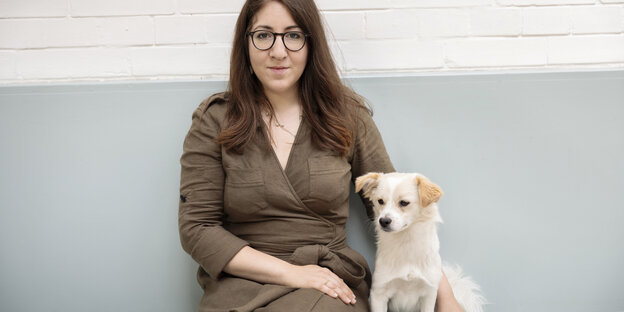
[(278, 50)]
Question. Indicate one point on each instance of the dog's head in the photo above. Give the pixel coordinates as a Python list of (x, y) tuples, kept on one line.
[(400, 199)]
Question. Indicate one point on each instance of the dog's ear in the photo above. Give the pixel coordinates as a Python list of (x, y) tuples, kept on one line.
[(428, 191), (367, 182)]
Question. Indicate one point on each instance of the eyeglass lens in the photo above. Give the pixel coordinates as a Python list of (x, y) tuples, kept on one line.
[(264, 40)]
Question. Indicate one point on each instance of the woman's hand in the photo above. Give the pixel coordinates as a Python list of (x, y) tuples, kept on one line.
[(320, 278), (258, 266)]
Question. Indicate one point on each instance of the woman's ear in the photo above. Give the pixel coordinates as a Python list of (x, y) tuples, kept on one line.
[(367, 183), (428, 191)]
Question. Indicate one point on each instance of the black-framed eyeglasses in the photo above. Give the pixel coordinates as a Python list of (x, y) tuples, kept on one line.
[(264, 39)]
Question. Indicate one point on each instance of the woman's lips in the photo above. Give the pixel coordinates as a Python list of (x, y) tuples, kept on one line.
[(278, 69)]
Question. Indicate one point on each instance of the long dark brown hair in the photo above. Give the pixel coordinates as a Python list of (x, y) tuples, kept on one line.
[(328, 105)]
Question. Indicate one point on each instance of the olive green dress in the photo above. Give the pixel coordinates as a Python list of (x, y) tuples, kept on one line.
[(298, 214)]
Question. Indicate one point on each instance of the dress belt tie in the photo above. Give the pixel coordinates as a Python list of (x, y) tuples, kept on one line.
[(350, 271)]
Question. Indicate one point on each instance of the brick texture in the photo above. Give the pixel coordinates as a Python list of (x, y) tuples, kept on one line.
[(495, 22), (546, 21), (119, 7), (72, 63), (7, 65), (493, 52), (594, 50), (21, 8), (73, 40)]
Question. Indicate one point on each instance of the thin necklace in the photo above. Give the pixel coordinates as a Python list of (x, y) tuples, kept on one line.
[(281, 126)]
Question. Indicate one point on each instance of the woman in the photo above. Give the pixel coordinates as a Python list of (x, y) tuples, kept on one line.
[(266, 171)]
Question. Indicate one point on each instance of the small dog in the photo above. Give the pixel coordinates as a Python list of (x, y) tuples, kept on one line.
[(408, 267)]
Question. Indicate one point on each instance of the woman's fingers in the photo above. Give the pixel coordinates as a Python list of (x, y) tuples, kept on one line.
[(340, 288), (335, 293), (342, 285), (329, 291), (343, 295), (324, 280)]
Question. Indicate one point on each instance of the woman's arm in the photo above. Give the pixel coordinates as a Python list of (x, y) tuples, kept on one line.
[(258, 266), (446, 300), (202, 177)]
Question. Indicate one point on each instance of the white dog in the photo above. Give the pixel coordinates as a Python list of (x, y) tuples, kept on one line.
[(408, 267)]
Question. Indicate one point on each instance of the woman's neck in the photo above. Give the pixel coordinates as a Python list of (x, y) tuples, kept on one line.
[(283, 101)]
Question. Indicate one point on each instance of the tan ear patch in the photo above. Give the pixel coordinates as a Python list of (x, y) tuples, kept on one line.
[(367, 182), (428, 191)]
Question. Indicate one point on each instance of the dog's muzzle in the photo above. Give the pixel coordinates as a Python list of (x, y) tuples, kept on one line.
[(385, 224)]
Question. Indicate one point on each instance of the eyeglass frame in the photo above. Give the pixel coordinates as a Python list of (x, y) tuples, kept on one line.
[(305, 39)]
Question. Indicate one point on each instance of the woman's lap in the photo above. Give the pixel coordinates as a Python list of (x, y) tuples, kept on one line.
[(312, 300), (242, 295)]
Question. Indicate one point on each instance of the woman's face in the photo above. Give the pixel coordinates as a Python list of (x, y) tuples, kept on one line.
[(277, 68)]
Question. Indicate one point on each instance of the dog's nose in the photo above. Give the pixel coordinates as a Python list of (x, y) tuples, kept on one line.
[(385, 221)]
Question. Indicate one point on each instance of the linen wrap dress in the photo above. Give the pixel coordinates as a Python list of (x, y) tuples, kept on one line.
[(297, 214)]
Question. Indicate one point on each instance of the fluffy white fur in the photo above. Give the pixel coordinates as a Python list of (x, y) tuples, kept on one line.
[(408, 267)]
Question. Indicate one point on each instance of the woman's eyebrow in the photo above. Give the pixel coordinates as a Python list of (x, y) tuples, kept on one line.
[(263, 26), (271, 28)]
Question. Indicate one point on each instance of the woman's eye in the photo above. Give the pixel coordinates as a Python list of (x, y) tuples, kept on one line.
[(263, 35), (380, 201), (403, 203), (293, 35)]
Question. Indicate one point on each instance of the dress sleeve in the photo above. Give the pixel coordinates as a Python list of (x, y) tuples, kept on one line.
[(369, 153), (200, 211)]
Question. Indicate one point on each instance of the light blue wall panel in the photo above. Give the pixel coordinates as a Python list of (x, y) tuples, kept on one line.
[(531, 166)]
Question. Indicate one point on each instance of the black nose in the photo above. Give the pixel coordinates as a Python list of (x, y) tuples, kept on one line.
[(385, 222)]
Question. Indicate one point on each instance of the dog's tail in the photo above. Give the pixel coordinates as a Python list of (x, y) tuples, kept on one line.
[(466, 291)]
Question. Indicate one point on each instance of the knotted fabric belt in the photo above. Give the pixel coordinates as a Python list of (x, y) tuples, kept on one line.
[(350, 271)]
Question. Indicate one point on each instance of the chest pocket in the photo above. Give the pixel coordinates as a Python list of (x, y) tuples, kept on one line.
[(244, 192), (329, 178)]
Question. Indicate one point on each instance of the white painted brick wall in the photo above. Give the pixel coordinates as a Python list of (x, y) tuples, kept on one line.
[(544, 2), (7, 65), (492, 52), (351, 5), (77, 40), (76, 32), (439, 3), (345, 25), (391, 55), (594, 49), (596, 20), (195, 29), (179, 61), (73, 63), (439, 23), (496, 22), (546, 21), (40, 8), (119, 7), (209, 6), (392, 24)]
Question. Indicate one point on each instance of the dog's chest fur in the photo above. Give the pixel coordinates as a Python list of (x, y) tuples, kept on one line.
[(408, 266), (408, 293)]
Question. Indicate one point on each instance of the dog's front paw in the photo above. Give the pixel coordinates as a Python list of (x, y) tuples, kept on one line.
[(379, 303)]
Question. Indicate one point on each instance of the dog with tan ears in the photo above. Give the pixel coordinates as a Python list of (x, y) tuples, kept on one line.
[(408, 267)]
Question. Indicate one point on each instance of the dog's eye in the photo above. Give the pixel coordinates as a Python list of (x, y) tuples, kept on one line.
[(403, 203), (380, 201)]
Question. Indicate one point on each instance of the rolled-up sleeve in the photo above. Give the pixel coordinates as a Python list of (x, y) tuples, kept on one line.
[(200, 214)]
